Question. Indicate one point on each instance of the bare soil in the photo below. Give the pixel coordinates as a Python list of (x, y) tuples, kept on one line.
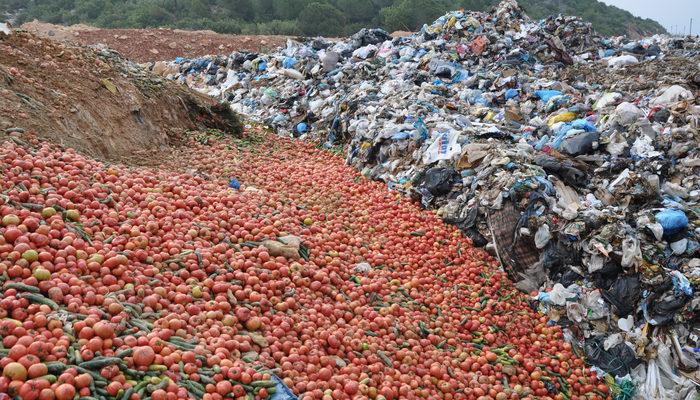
[(96, 101), (147, 45)]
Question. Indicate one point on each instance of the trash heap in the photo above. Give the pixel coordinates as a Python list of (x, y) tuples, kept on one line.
[(572, 157)]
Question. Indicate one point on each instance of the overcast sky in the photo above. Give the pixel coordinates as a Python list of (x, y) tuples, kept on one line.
[(672, 14)]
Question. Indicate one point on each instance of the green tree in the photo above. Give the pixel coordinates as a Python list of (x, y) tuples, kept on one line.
[(288, 9), (284, 16), (264, 9), (240, 9), (409, 15), (150, 15), (357, 10), (321, 19), (89, 10)]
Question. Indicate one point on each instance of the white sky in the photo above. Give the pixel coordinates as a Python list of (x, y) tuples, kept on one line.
[(672, 14)]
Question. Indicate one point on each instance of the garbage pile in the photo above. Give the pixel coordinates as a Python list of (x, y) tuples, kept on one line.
[(539, 141)]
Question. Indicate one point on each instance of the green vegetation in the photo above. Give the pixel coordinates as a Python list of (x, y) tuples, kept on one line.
[(301, 17)]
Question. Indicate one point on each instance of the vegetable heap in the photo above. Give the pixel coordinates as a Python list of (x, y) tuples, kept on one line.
[(134, 283)]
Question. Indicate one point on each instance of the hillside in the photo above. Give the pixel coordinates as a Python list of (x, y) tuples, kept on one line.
[(307, 17), (95, 101)]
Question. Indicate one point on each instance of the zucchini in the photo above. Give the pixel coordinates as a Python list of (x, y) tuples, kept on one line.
[(21, 287), (125, 353), (162, 385), (198, 386), (39, 299), (264, 384), (127, 394), (100, 362), (50, 378), (55, 367)]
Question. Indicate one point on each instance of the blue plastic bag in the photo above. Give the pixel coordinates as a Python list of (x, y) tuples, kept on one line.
[(422, 129), (512, 93), (302, 127), (673, 221), (234, 184), (403, 135), (584, 124), (546, 95), (289, 62), (282, 391)]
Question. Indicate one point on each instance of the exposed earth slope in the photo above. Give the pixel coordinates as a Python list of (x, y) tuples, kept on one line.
[(94, 100)]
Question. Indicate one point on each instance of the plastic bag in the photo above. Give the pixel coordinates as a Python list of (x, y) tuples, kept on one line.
[(558, 295), (631, 252), (627, 113), (282, 392), (624, 294), (444, 146), (542, 236), (661, 381), (673, 94), (607, 99), (289, 62), (546, 95), (563, 169), (617, 361), (622, 61), (662, 305), (580, 143), (439, 181), (234, 184), (673, 221)]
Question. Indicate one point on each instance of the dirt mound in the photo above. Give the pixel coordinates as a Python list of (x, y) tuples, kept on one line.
[(144, 45), (96, 101)]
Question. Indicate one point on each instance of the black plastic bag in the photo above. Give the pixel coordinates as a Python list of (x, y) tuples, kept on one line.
[(439, 181), (569, 277), (564, 169), (617, 361), (606, 276), (367, 36), (426, 198), (624, 294), (478, 240), (555, 258), (663, 304)]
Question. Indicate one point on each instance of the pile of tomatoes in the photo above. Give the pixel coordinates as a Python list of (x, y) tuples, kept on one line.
[(133, 283)]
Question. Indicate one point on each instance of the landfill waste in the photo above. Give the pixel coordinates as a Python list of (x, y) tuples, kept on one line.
[(572, 157), (5, 28)]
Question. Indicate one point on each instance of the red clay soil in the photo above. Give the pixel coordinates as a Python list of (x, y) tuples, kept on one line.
[(144, 45)]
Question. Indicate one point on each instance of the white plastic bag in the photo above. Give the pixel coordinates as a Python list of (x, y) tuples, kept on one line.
[(621, 61), (444, 147), (607, 99), (662, 382), (673, 94)]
